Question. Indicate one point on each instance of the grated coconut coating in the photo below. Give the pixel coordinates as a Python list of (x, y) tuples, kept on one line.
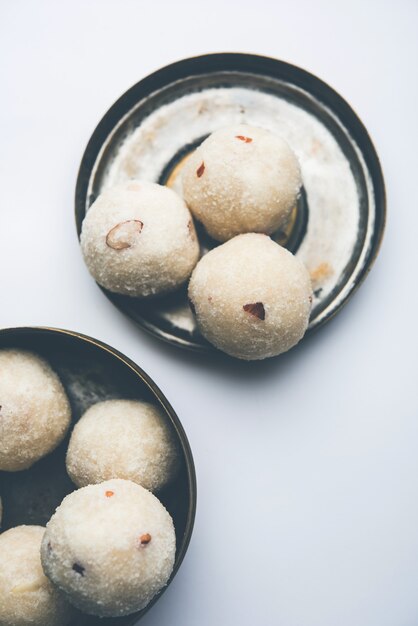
[(241, 179), (252, 298), (34, 409), (122, 439), (27, 597), (138, 239), (110, 547)]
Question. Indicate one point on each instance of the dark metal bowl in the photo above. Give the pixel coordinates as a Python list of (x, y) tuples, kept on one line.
[(91, 371), (150, 130)]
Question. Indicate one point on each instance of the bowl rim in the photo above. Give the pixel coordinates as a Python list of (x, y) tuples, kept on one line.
[(261, 65), (156, 392)]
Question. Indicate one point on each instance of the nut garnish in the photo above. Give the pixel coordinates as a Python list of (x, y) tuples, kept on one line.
[(200, 169), (256, 309), (145, 539), (242, 138), (79, 569), (123, 235)]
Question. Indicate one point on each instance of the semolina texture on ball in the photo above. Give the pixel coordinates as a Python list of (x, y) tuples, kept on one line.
[(27, 597), (241, 179), (34, 409), (138, 239), (252, 298), (123, 439), (110, 547)]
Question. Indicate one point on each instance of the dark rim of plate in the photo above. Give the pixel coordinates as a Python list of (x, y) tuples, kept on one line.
[(232, 62), (156, 392)]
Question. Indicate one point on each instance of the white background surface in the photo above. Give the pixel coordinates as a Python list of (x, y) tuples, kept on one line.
[(307, 465)]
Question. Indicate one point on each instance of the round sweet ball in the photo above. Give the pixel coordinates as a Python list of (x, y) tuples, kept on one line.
[(110, 547), (27, 597), (241, 179), (252, 298), (34, 409), (123, 439), (138, 239)]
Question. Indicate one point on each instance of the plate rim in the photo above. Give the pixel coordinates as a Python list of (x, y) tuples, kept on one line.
[(261, 65)]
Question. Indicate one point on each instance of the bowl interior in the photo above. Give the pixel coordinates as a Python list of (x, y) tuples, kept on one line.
[(91, 372)]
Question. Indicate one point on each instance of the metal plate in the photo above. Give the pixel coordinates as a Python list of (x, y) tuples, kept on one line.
[(337, 226), (92, 371)]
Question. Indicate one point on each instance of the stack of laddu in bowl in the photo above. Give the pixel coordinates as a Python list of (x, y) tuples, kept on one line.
[(110, 546), (251, 297)]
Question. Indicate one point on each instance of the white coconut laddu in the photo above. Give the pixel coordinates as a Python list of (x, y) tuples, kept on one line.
[(123, 439), (241, 179), (138, 239), (110, 547), (27, 597), (252, 298), (35, 412)]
